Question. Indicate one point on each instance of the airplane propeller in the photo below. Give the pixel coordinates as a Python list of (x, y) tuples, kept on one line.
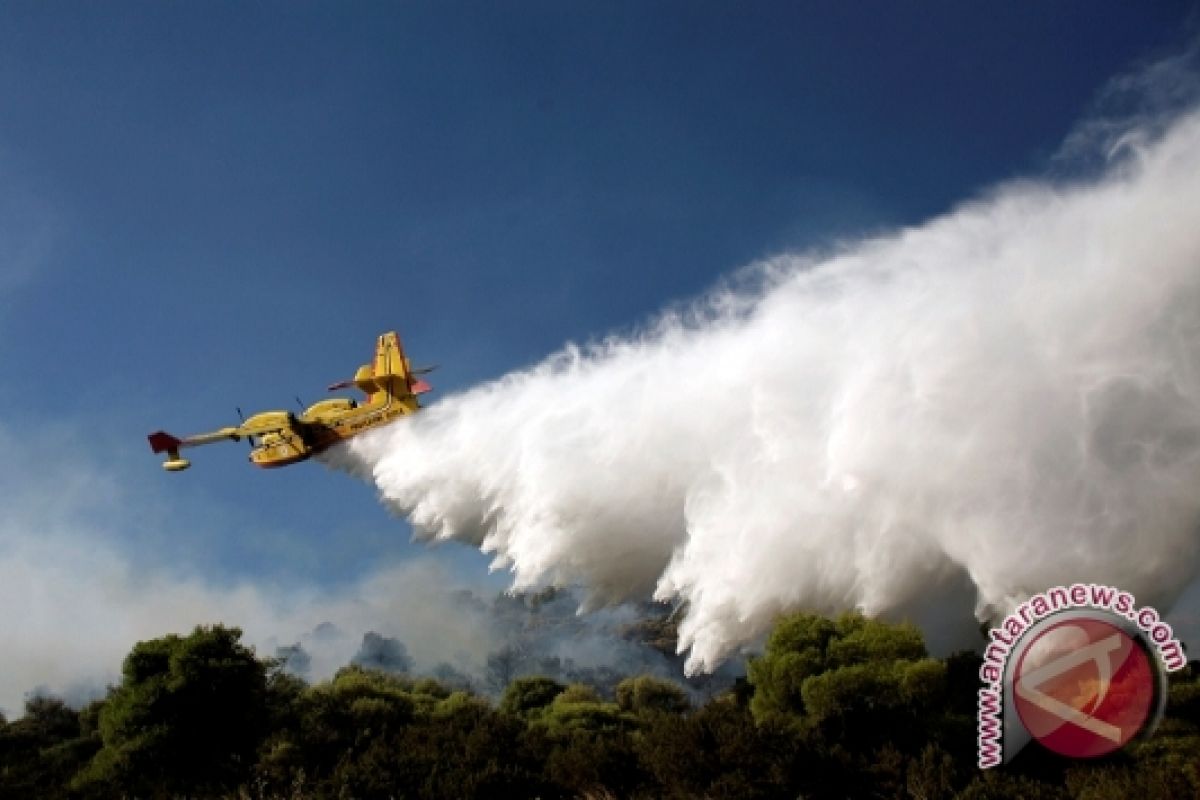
[(242, 418)]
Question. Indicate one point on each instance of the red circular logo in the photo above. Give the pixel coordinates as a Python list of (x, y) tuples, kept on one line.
[(1084, 688)]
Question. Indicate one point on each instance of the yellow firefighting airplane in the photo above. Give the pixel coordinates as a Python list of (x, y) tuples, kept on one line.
[(279, 438)]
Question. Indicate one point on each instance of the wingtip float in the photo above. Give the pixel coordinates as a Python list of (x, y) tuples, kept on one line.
[(279, 438)]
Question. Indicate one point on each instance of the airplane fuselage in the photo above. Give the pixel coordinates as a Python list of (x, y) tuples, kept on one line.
[(390, 388), (322, 426)]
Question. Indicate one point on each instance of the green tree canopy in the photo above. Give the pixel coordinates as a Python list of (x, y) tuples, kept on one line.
[(187, 717), (647, 694), (803, 646), (528, 694), (41, 747)]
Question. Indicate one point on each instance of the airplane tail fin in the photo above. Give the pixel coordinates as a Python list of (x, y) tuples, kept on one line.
[(390, 373), (163, 442), (391, 363)]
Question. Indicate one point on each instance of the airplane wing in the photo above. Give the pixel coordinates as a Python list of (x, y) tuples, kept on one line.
[(163, 442)]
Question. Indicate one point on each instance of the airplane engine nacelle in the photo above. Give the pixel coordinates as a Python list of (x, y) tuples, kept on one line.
[(325, 408), (269, 420)]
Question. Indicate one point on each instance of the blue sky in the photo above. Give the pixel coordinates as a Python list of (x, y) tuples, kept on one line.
[(212, 205)]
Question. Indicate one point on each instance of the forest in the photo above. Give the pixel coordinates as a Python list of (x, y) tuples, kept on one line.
[(832, 708)]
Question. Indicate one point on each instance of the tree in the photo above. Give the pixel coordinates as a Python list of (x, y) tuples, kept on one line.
[(805, 646), (719, 751), (529, 694), (647, 694), (502, 667), (187, 718), (855, 689), (41, 749), (996, 784), (383, 653)]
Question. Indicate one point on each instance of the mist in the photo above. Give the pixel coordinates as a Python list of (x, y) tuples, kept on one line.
[(84, 608), (939, 420)]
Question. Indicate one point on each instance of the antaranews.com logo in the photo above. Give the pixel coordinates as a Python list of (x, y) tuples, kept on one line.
[(1080, 668)]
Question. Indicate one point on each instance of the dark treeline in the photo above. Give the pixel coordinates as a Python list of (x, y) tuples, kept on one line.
[(841, 708), (533, 633)]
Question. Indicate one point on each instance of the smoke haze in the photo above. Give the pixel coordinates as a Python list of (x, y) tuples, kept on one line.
[(1002, 399)]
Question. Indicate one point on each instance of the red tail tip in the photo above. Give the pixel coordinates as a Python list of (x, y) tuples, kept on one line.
[(161, 441)]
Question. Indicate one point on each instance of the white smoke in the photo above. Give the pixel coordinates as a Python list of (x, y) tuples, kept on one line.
[(76, 597), (82, 608), (1010, 392)]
